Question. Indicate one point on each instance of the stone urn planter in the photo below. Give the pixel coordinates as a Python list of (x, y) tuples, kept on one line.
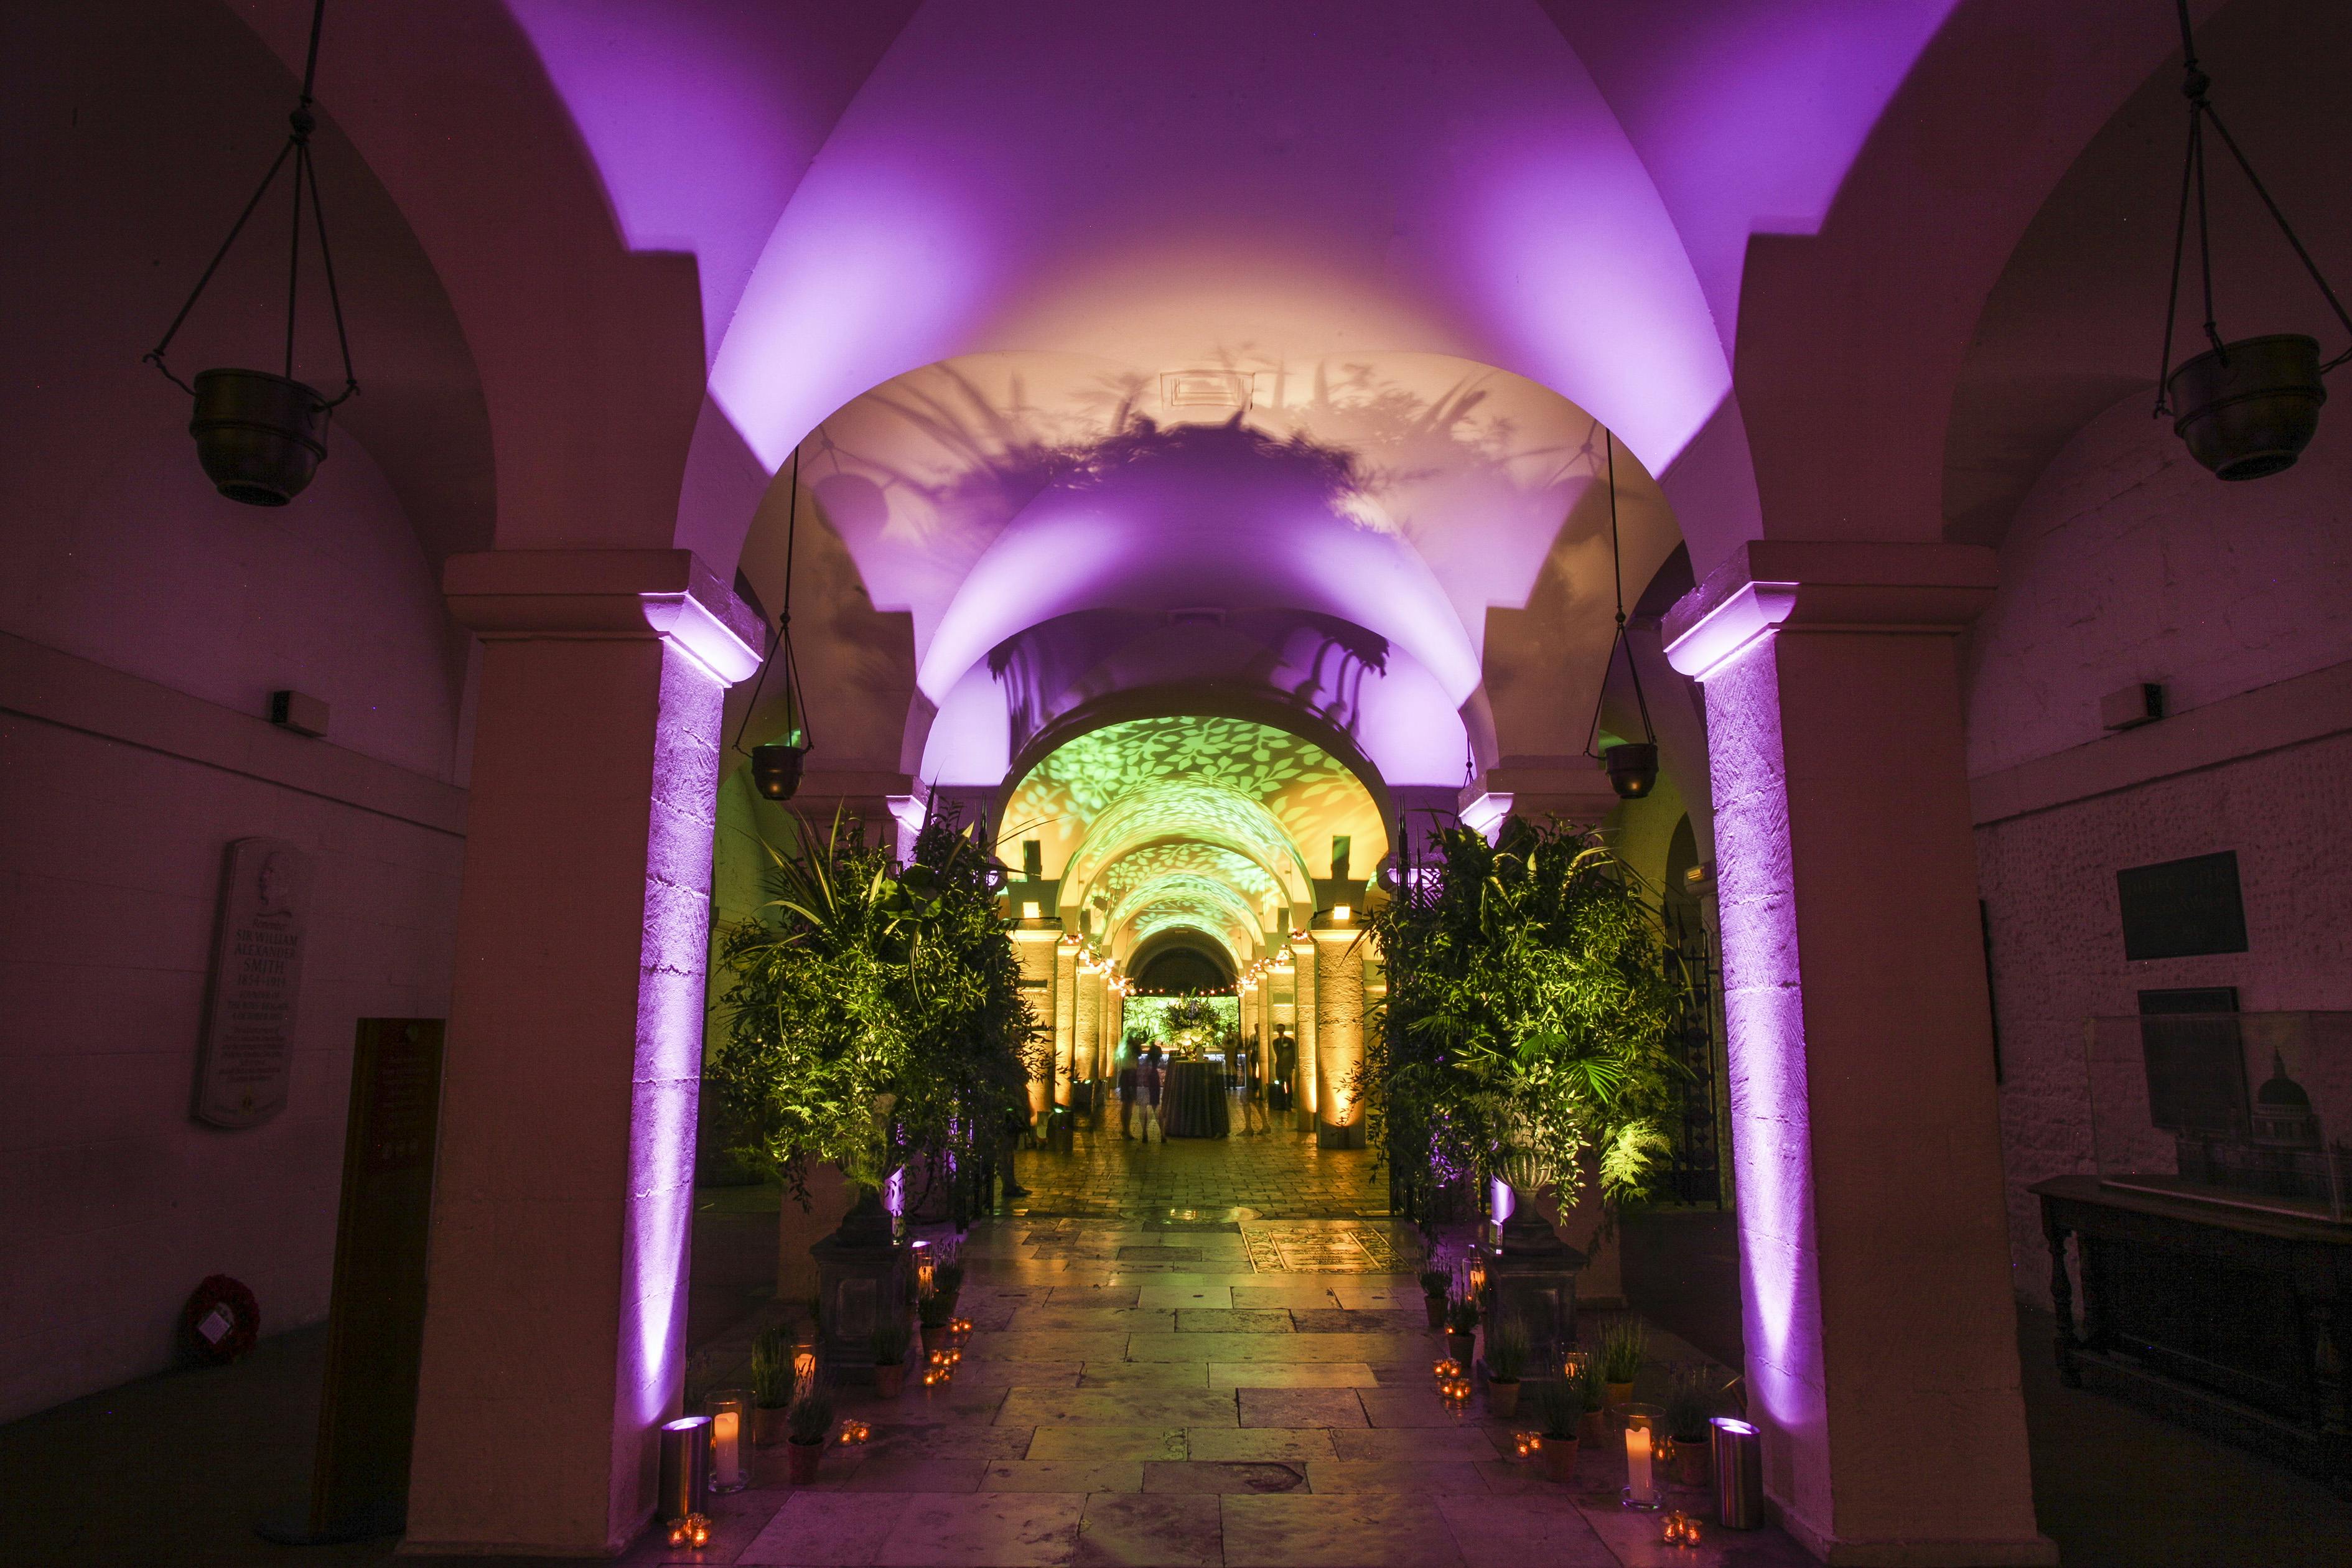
[(2248, 409), (800, 1459)]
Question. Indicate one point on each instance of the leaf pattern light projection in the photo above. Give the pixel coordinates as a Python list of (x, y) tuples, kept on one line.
[(1190, 820)]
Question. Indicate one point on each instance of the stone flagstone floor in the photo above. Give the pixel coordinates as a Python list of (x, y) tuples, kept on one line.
[(1139, 1392)]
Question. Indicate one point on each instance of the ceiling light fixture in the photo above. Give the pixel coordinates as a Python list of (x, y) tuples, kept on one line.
[(776, 765), (1633, 764), (2246, 409), (259, 436)]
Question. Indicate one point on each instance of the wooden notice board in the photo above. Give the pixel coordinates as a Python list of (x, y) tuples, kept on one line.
[(375, 1327)]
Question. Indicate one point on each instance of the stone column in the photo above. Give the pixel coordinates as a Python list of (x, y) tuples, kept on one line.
[(1066, 1009), (1086, 1031), (1874, 1253), (562, 1204), (1302, 958), (1338, 1037), (1035, 950)]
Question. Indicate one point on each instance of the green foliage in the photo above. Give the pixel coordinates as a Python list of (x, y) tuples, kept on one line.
[(1557, 1407), (1461, 1317), (1624, 1346), (1528, 1018), (809, 1418), (890, 1341), (875, 1016), (936, 1309), (771, 1368), (1691, 1395), (1592, 1383), (1435, 1281), (1506, 1350)]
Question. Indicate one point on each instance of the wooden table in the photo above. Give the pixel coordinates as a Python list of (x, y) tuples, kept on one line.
[(1192, 1101), (2232, 1320)]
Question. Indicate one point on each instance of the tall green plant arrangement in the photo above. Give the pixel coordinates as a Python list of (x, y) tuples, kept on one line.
[(1528, 1017), (875, 1015)]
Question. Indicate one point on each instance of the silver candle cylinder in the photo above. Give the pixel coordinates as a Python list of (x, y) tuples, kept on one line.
[(685, 1468), (1738, 1454)]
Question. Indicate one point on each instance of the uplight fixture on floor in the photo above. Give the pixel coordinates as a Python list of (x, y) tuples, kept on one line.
[(2245, 410), (260, 437), (1633, 765), (776, 765)]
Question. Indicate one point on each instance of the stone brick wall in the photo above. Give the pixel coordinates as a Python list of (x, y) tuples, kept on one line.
[(2126, 563)]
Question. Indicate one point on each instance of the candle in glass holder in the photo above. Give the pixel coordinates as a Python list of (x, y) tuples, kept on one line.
[(1641, 1455), (729, 1410)]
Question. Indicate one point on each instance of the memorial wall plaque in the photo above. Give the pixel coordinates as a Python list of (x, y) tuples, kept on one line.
[(245, 1057), (2182, 908)]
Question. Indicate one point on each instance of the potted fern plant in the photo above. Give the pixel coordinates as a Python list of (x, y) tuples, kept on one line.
[(1558, 1406), (1461, 1330), (808, 1421), (771, 1385), (1624, 1345), (890, 1344), (1434, 1283), (1506, 1358)]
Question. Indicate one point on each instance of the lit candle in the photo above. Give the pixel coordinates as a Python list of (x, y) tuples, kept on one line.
[(726, 1448), (1637, 1460)]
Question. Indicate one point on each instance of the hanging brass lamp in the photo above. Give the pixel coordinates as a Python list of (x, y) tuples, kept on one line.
[(777, 764), (1633, 765), (2246, 409), (261, 436)]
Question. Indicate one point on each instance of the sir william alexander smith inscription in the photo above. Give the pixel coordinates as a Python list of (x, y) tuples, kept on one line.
[(247, 1054)]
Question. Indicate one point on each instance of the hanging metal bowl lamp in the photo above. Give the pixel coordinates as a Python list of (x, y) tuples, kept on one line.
[(1633, 765), (776, 766), (261, 436), (2246, 409)]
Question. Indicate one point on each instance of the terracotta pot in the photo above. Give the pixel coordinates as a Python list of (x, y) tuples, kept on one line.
[(802, 1461), (1436, 1305), (1691, 1461), (1502, 1398), (890, 1380), (1592, 1426), (936, 1339), (1616, 1395), (1557, 1459), (1461, 1347), (767, 1426)]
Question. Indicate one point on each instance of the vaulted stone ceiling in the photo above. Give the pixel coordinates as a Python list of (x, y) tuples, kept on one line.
[(1219, 826)]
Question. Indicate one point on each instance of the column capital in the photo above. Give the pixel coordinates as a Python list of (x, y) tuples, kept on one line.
[(1769, 584), (506, 596)]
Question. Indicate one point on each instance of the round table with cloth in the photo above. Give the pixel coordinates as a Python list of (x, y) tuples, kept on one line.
[(1192, 1101)]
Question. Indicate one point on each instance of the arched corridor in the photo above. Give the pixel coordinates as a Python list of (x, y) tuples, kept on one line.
[(1538, 615)]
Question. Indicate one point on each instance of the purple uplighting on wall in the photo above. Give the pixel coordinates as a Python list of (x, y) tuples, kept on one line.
[(1764, 1016)]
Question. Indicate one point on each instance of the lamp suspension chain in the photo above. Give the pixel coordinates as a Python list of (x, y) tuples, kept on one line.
[(1632, 765)]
